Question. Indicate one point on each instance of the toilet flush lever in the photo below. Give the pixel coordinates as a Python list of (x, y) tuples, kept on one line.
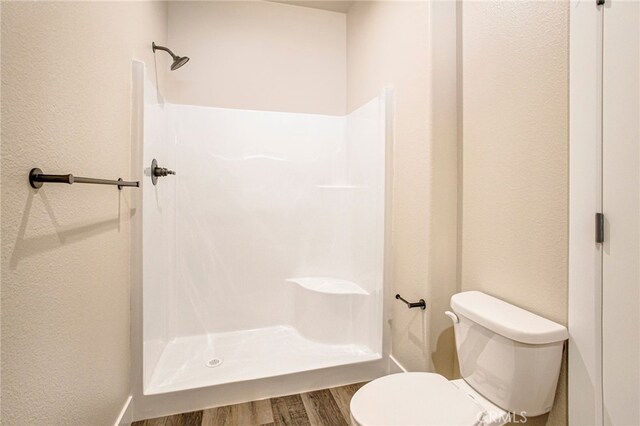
[(419, 304), (453, 316)]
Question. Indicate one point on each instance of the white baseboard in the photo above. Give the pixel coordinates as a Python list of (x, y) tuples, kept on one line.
[(125, 417), (395, 366)]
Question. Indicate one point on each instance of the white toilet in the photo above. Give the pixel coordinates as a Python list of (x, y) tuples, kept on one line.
[(509, 361)]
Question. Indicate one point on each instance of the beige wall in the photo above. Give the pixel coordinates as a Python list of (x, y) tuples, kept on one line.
[(259, 55), (512, 159), (515, 157), (394, 44), (66, 77)]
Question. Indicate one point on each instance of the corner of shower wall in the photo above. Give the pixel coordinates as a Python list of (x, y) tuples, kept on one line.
[(158, 225), (345, 289), (137, 135), (388, 288), (368, 135)]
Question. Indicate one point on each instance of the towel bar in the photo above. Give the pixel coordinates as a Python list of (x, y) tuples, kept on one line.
[(37, 179)]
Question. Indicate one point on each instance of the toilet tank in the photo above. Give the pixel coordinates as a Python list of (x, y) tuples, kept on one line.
[(509, 355)]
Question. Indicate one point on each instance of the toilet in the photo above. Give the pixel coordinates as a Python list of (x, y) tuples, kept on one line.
[(509, 362)]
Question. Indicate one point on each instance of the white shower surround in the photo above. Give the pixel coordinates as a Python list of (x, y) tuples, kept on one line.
[(266, 250)]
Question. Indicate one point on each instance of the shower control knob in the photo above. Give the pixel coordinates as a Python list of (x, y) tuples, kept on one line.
[(161, 171), (157, 172)]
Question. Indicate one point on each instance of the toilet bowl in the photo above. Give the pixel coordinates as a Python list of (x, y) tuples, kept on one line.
[(509, 362)]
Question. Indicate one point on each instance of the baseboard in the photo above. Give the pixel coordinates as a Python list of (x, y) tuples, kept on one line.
[(125, 418), (395, 366)]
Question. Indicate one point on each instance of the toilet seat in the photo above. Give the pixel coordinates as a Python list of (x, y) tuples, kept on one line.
[(414, 399)]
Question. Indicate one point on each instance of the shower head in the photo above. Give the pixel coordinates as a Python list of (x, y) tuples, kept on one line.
[(178, 61)]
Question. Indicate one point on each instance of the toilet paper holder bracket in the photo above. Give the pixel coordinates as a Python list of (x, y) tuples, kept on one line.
[(419, 304)]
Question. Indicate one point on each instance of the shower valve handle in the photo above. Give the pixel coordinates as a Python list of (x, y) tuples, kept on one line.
[(161, 171), (157, 172)]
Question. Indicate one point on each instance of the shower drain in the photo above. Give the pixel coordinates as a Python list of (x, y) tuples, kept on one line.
[(215, 362)]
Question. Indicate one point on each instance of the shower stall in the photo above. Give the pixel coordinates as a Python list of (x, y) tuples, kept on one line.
[(264, 255)]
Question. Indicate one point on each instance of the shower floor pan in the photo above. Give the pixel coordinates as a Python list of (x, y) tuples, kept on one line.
[(214, 359)]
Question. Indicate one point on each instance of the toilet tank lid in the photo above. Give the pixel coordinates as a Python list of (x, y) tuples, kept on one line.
[(506, 319)]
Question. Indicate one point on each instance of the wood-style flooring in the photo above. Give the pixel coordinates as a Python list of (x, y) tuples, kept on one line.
[(327, 407)]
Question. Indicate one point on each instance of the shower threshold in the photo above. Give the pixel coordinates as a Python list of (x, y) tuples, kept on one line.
[(213, 359)]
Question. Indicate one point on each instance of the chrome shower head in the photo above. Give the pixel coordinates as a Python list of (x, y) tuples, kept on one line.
[(178, 61)]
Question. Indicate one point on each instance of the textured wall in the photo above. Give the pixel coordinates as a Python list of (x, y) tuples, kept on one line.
[(515, 157), (66, 76), (411, 47), (65, 250), (259, 55)]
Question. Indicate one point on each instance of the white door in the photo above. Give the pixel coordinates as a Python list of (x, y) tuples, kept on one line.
[(621, 207)]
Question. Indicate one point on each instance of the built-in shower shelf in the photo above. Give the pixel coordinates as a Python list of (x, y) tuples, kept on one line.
[(342, 186), (328, 285)]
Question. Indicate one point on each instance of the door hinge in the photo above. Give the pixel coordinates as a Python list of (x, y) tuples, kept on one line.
[(599, 228), (600, 2)]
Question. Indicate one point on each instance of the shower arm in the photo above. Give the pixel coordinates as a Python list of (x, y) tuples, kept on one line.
[(166, 49)]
